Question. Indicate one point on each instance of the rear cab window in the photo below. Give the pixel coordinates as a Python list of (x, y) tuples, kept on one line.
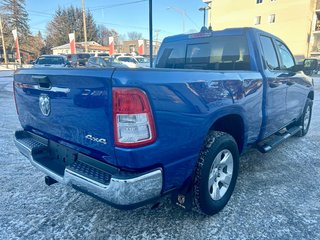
[(214, 53)]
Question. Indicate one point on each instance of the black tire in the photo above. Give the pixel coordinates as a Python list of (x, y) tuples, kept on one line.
[(203, 194), (306, 115)]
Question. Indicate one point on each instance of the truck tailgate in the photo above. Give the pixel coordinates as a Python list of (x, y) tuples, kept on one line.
[(72, 107)]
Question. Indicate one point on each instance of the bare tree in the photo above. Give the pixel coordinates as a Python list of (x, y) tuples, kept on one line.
[(104, 33), (134, 35)]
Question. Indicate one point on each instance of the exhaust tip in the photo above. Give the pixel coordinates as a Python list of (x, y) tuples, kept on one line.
[(49, 180)]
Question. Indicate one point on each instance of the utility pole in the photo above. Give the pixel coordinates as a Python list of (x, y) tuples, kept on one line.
[(150, 33), (84, 27), (3, 46), (157, 34)]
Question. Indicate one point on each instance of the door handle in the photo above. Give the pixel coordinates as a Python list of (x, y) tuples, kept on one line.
[(43, 81)]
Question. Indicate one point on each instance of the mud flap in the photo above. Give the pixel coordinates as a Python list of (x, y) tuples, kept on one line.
[(184, 196)]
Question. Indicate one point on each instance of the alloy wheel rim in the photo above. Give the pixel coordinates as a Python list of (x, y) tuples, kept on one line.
[(306, 118), (220, 174)]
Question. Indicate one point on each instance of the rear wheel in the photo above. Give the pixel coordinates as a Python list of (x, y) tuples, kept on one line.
[(305, 119), (216, 172)]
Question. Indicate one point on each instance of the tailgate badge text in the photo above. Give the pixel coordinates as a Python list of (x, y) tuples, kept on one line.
[(95, 139)]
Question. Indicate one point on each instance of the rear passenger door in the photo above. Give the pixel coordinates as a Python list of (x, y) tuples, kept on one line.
[(275, 102), (296, 90)]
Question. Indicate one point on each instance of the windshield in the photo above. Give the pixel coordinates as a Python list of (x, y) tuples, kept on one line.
[(50, 60), (142, 60), (83, 56), (108, 59)]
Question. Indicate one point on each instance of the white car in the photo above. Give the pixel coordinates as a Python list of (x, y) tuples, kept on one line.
[(52, 61), (134, 61)]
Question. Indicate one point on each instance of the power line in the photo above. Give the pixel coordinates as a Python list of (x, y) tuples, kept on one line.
[(45, 12), (37, 13), (116, 5), (131, 26), (191, 20)]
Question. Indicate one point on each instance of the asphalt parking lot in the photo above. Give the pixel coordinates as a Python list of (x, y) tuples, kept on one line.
[(277, 196)]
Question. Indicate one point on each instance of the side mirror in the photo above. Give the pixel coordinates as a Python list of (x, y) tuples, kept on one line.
[(310, 64)]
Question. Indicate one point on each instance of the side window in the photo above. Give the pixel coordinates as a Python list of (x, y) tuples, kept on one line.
[(269, 52), (95, 61), (173, 56), (285, 55)]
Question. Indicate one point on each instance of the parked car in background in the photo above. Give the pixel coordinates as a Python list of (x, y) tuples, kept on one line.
[(134, 61), (54, 61), (102, 55), (101, 62), (78, 59), (115, 55)]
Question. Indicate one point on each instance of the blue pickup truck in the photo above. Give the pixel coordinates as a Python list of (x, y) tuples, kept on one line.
[(131, 136)]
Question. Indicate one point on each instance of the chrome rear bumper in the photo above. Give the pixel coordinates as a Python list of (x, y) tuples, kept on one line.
[(120, 189)]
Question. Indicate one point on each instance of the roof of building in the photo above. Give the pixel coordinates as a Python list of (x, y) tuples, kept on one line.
[(91, 45)]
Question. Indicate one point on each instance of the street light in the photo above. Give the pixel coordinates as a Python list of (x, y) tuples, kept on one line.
[(204, 9), (183, 14)]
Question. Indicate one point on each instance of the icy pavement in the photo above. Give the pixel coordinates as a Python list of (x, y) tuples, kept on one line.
[(6, 73), (276, 197)]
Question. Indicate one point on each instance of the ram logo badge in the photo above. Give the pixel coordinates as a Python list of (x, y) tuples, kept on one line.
[(44, 104), (96, 139)]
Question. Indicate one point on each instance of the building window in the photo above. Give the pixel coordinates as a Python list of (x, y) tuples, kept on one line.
[(259, 1), (257, 20), (272, 18)]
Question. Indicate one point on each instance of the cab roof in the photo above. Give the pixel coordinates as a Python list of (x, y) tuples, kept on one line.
[(209, 33)]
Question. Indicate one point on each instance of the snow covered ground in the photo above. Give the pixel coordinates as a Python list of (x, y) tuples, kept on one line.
[(276, 197)]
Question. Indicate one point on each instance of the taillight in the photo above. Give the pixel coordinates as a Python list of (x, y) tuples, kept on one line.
[(132, 117), (14, 96)]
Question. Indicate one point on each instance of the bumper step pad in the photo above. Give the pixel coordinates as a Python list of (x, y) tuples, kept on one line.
[(90, 172)]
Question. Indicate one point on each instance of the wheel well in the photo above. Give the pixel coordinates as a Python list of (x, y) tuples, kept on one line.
[(233, 125), (311, 95)]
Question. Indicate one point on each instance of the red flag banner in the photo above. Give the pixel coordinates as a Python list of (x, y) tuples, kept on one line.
[(111, 45), (72, 43), (141, 47), (16, 42)]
